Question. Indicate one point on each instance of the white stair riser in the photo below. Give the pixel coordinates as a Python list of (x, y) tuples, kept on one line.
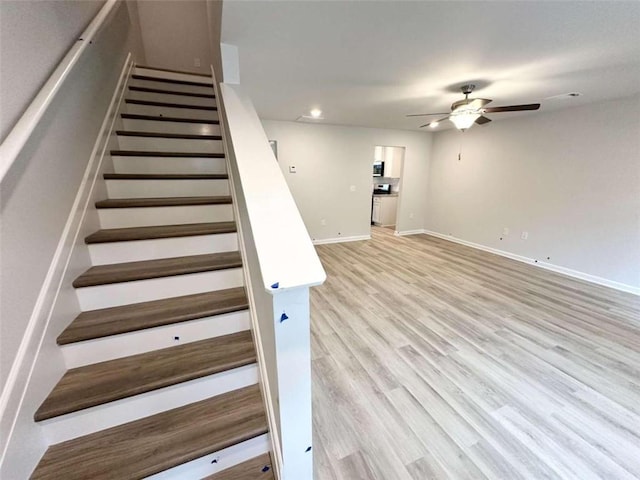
[(170, 127), (166, 188), (176, 87), (125, 293), (126, 164), (170, 111), (150, 72), (111, 414), (218, 461), (117, 346), (171, 97), (170, 144), (148, 216), (133, 251)]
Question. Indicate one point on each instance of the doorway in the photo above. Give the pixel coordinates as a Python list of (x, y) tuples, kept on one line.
[(386, 185)]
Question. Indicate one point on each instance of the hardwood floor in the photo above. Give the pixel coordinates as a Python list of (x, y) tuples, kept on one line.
[(432, 360)]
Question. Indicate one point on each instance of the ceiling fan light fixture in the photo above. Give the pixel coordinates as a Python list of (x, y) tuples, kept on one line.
[(434, 124), (464, 119)]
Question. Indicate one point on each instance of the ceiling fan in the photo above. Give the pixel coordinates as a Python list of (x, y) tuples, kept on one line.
[(464, 113)]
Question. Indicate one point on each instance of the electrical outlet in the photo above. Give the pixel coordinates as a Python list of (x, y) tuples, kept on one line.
[(196, 62), (524, 236)]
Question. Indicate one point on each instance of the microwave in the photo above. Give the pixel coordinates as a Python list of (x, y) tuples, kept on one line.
[(378, 169)]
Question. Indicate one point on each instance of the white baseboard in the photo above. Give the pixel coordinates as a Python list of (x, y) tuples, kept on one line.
[(409, 232), (26, 384), (356, 238), (532, 261)]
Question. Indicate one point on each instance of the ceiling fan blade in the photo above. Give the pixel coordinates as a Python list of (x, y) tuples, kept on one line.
[(435, 121), (425, 114), (482, 120), (512, 108)]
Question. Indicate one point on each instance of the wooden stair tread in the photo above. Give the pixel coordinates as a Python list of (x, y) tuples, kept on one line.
[(105, 382), (185, 136), (157, 118), (164, 267), (170, 80), (139, 316), (253, 469), (166, 176), (162, 201), (186, 72), (159, 231), (146, 153), (152, 103), (134, 88), (150, 445)]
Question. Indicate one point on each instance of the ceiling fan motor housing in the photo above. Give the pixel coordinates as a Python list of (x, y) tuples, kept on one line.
[(467, 89)]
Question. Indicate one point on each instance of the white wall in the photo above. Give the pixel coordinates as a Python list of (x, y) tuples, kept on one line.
[(175, 32), (29, 55), (36, 198), (570, 178), (37, 193), (330, 159)]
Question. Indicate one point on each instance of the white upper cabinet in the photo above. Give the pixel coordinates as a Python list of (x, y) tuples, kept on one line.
[(392, 161)]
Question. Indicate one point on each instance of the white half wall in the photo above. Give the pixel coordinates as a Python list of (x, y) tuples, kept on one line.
[(570, 179), (330, 159)]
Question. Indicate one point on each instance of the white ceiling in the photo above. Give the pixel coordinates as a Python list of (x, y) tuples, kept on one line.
[(369, 63)]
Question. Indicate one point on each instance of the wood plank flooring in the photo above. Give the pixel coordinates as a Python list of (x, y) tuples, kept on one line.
[(432, 360)]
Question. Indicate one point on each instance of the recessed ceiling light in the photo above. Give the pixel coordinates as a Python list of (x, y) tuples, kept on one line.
[(316, 113), (434, 124)]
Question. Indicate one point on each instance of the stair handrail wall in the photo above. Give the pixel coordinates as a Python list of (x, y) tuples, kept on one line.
[(281, 265), (22, 130)]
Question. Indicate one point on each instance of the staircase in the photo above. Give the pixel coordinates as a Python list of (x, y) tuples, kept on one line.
[(162, 379)]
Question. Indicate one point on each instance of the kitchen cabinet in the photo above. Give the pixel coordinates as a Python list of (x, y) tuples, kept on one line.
[(375, 214), (393, 161), (384, 210)]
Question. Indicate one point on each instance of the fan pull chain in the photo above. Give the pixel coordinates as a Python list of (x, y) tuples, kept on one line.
[(460, 147)]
